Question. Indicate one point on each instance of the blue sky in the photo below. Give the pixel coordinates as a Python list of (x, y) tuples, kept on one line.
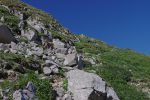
[(121, 23)]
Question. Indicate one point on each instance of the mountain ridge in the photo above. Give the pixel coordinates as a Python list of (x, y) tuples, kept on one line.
[(42, 46)]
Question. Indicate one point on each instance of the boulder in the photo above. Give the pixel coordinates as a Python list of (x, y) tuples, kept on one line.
[(54, 69), (71, 60), (38, 51), (88, 86), (47, 71), (6, 35), (60, 56), (58, 44), (39, 28), (61, 50), (18, 95), (30, 34), (49, 63), (31, 87)]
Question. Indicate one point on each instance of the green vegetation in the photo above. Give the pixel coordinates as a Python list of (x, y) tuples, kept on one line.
[(9, 19), (62, 72), (65, 84), (10, 57), (119, 67), (15, 60), (91, 46), (63, 37), (43, 87)]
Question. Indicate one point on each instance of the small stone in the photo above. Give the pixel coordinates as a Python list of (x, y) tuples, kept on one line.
[(17, 95), (53, 57), (47, 71), (60, 92), (31, 87), (54, 69), (67, 97)]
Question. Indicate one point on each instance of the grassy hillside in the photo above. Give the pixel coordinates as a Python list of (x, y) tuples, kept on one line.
[(127, 71)]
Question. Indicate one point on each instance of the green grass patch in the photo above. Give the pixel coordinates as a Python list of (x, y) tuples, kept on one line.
[(65, 84), (43, 87)]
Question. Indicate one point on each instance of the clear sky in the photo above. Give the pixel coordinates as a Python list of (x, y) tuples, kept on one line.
[(121, 23)]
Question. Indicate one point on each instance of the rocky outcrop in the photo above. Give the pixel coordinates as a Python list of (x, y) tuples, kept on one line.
[(49, 58), (6, 35), (58, 44), (88, 86), (30, 34), (83, 85), (71, 60)]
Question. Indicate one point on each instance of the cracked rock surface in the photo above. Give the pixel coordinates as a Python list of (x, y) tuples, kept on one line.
[(88, 86)]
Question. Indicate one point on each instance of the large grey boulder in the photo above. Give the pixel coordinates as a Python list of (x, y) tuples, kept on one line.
[(88, 86), (71, 60), (6, 35), (58, 44)]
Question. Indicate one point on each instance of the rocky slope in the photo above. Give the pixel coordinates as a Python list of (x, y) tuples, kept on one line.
[(42, 60)]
